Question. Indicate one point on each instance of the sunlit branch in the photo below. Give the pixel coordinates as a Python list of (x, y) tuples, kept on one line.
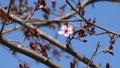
[(38, 21), (30, 53)]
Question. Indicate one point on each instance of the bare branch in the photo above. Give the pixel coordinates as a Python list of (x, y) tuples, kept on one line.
[(65, 16), (30, 53), (7, 14), (100, 27), (93, 1), (94, 54), (32, 13), (71, 13), (11, 30)]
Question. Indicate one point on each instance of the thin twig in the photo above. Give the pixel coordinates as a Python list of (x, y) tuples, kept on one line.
[(32, 13), (94, 54), (72, 12), (11, 30), (100, 27), (101, 33), (6, 17), (30, 16), (81, 28)]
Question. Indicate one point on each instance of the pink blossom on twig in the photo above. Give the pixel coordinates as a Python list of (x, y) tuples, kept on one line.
[(65, 30)]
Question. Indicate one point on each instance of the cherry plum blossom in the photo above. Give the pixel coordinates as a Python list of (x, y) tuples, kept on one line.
[(66, 30)]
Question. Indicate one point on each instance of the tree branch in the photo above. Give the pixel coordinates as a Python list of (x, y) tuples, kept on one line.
[(43, 59), (54, 41), (100, 27), (71, 13), (11, 30), (65, 16), (93, 1), (6, 17), (30, 53)]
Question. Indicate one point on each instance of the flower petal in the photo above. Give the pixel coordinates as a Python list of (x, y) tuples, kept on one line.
[(64, 27), (70, 28), (66, 34), (61, 32), (70, 32)]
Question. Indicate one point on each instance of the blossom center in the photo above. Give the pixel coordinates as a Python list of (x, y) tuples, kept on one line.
[(66, 31)]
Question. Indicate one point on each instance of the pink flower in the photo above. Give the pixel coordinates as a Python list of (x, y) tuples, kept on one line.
[(65, 30)]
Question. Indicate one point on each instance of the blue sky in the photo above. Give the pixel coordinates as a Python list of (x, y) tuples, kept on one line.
[(107, 15)]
